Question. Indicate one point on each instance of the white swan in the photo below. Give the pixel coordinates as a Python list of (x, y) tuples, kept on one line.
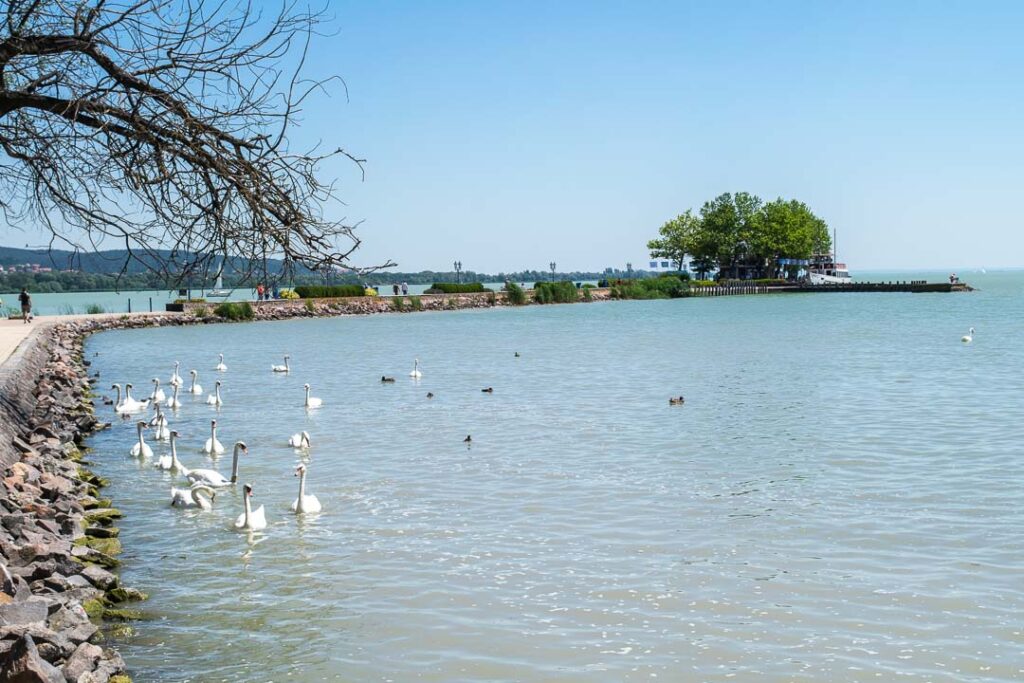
[(299, 440), (282, 368), (158, 393), (214, 399), (170, 462), (161, 429), (213, 477), (141, 449), (968, 338), (212, 445), (304, 503), (196, 388), (416, 369), (190, 498), (250, 520), (173, 403), (220, 367), (312, 402), (131, 404), (120, 407), (175, 380)]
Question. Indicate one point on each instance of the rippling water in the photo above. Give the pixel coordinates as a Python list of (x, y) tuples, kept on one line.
[(839, 499)]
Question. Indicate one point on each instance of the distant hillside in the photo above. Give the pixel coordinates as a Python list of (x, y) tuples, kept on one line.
[(110, 261)]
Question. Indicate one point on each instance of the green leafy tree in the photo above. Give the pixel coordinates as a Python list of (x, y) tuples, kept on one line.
[(788, 229), (677, 239), (728, 225)]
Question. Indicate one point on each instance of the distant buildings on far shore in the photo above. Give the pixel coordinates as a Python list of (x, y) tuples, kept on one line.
[(28, 268)]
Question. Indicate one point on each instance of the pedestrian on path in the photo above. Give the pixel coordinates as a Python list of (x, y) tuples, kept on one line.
[(26, 305)]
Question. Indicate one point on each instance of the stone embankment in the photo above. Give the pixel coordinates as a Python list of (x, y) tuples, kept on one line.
[(58, 545)]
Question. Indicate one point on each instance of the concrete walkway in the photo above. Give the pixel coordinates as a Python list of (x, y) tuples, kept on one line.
[(14, 332)]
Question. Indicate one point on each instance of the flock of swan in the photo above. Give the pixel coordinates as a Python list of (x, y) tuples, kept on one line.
[(203, 483)]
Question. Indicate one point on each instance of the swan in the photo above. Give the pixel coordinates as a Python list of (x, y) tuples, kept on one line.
[(282, 368), (175, 380), (173, 403), (141, 449), (304, 503), (131, 404), (416, 369), (214, 399), (969, 337), (158, 393), (195, 388), (250, 520), (190, 498), (212, 445), (312, 402), (299, 440), (213, 477), (220, 367), (161, 430), (120, 407), (171, 462)]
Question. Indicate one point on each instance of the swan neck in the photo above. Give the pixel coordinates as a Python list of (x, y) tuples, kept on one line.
[(248, 510), (234, 468)]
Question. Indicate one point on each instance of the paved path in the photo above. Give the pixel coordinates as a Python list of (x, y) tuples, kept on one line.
[(13, 332)]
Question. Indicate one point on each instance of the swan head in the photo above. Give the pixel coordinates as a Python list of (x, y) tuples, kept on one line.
[(174, 434), (221, 356), (193, 373), (129, 385), (306, 387), (287, 357), (213, 423), (247, 489), (241, 447), (177, 364), (203, 488), (155, 381), (115, 386), (217, 383), (141, 424), (299, 470), (972, 330)]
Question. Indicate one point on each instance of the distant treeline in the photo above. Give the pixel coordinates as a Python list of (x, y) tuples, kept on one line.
[(58, 281)]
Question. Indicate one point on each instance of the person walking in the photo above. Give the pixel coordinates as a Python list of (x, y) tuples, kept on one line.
[(405, 289), (259, 292), (394, 288), (26, 305)]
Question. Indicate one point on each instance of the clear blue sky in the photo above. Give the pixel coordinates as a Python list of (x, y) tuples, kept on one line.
[(508, 135)]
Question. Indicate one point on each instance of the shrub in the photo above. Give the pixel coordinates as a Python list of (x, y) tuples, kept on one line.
[(66, 309), (452, 288), (416, 303), (288, 294), (587, 296), (201, 312), (190, 301), (331, 291), (234, 311), (95, 309), (491, 299), (516, 295), (652, 288), (309, 306), (705, 283), (681, 275), (555, 292), (398, 303)]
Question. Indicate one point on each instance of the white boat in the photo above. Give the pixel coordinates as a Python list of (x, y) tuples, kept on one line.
[(824, 270), (218, 288)]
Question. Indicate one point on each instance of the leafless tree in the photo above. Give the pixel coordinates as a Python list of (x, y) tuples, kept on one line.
[(154, 125)]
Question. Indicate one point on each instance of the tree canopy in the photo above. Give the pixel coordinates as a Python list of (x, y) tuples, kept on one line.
[(164, 124), (740, 232)]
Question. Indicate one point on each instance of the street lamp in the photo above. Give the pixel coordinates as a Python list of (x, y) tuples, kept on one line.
[(458, 271), (552, 265)]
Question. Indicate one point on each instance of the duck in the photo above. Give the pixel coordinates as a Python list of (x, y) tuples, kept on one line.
[(212, 445), (468, 439), (416, 369), (516, 354), (176, 380), (170, 461), (304, 503), (312, 402), (430, 394), (191, 498), (158, 393), (141, 449), (195, 388), (173, 402), (133, 405), (220, 367), (299, 440), (676, 401), (215, 479), (969, 337), (282, 368), (214, 399), (386, 380), (250, 520), (488, 390)]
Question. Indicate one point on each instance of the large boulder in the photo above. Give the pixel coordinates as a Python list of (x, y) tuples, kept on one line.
[(22, 664)]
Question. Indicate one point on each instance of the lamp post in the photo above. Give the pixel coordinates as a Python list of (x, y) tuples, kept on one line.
[(552, 266), (458, 271)]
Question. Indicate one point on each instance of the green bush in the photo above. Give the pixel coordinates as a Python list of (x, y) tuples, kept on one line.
[(66, 309), (310, 306), (555, 292), (200, 312), (398, 303), (190, 301), (516, 295), (416, 303), (491, 299), (651, 288), (587, 296), (452, 288), (233, 311), (680, 274), (329, 291), (95, 309)]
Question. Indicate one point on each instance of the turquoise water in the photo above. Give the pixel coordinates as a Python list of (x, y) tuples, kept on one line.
[(840, 499)]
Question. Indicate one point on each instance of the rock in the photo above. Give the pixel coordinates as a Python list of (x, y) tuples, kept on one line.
[(84, 660), (102, 532), (107, 546), (23, 664), (126, 595), (100, 577), (27, 612), (104, 516)]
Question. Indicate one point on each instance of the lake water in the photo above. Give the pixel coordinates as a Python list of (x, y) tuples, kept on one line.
[(840, 499)]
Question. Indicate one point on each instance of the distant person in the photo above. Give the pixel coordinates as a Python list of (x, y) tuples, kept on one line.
[(277, 293), (405, 288), (26, 305), (259, 292), (394, 288)]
